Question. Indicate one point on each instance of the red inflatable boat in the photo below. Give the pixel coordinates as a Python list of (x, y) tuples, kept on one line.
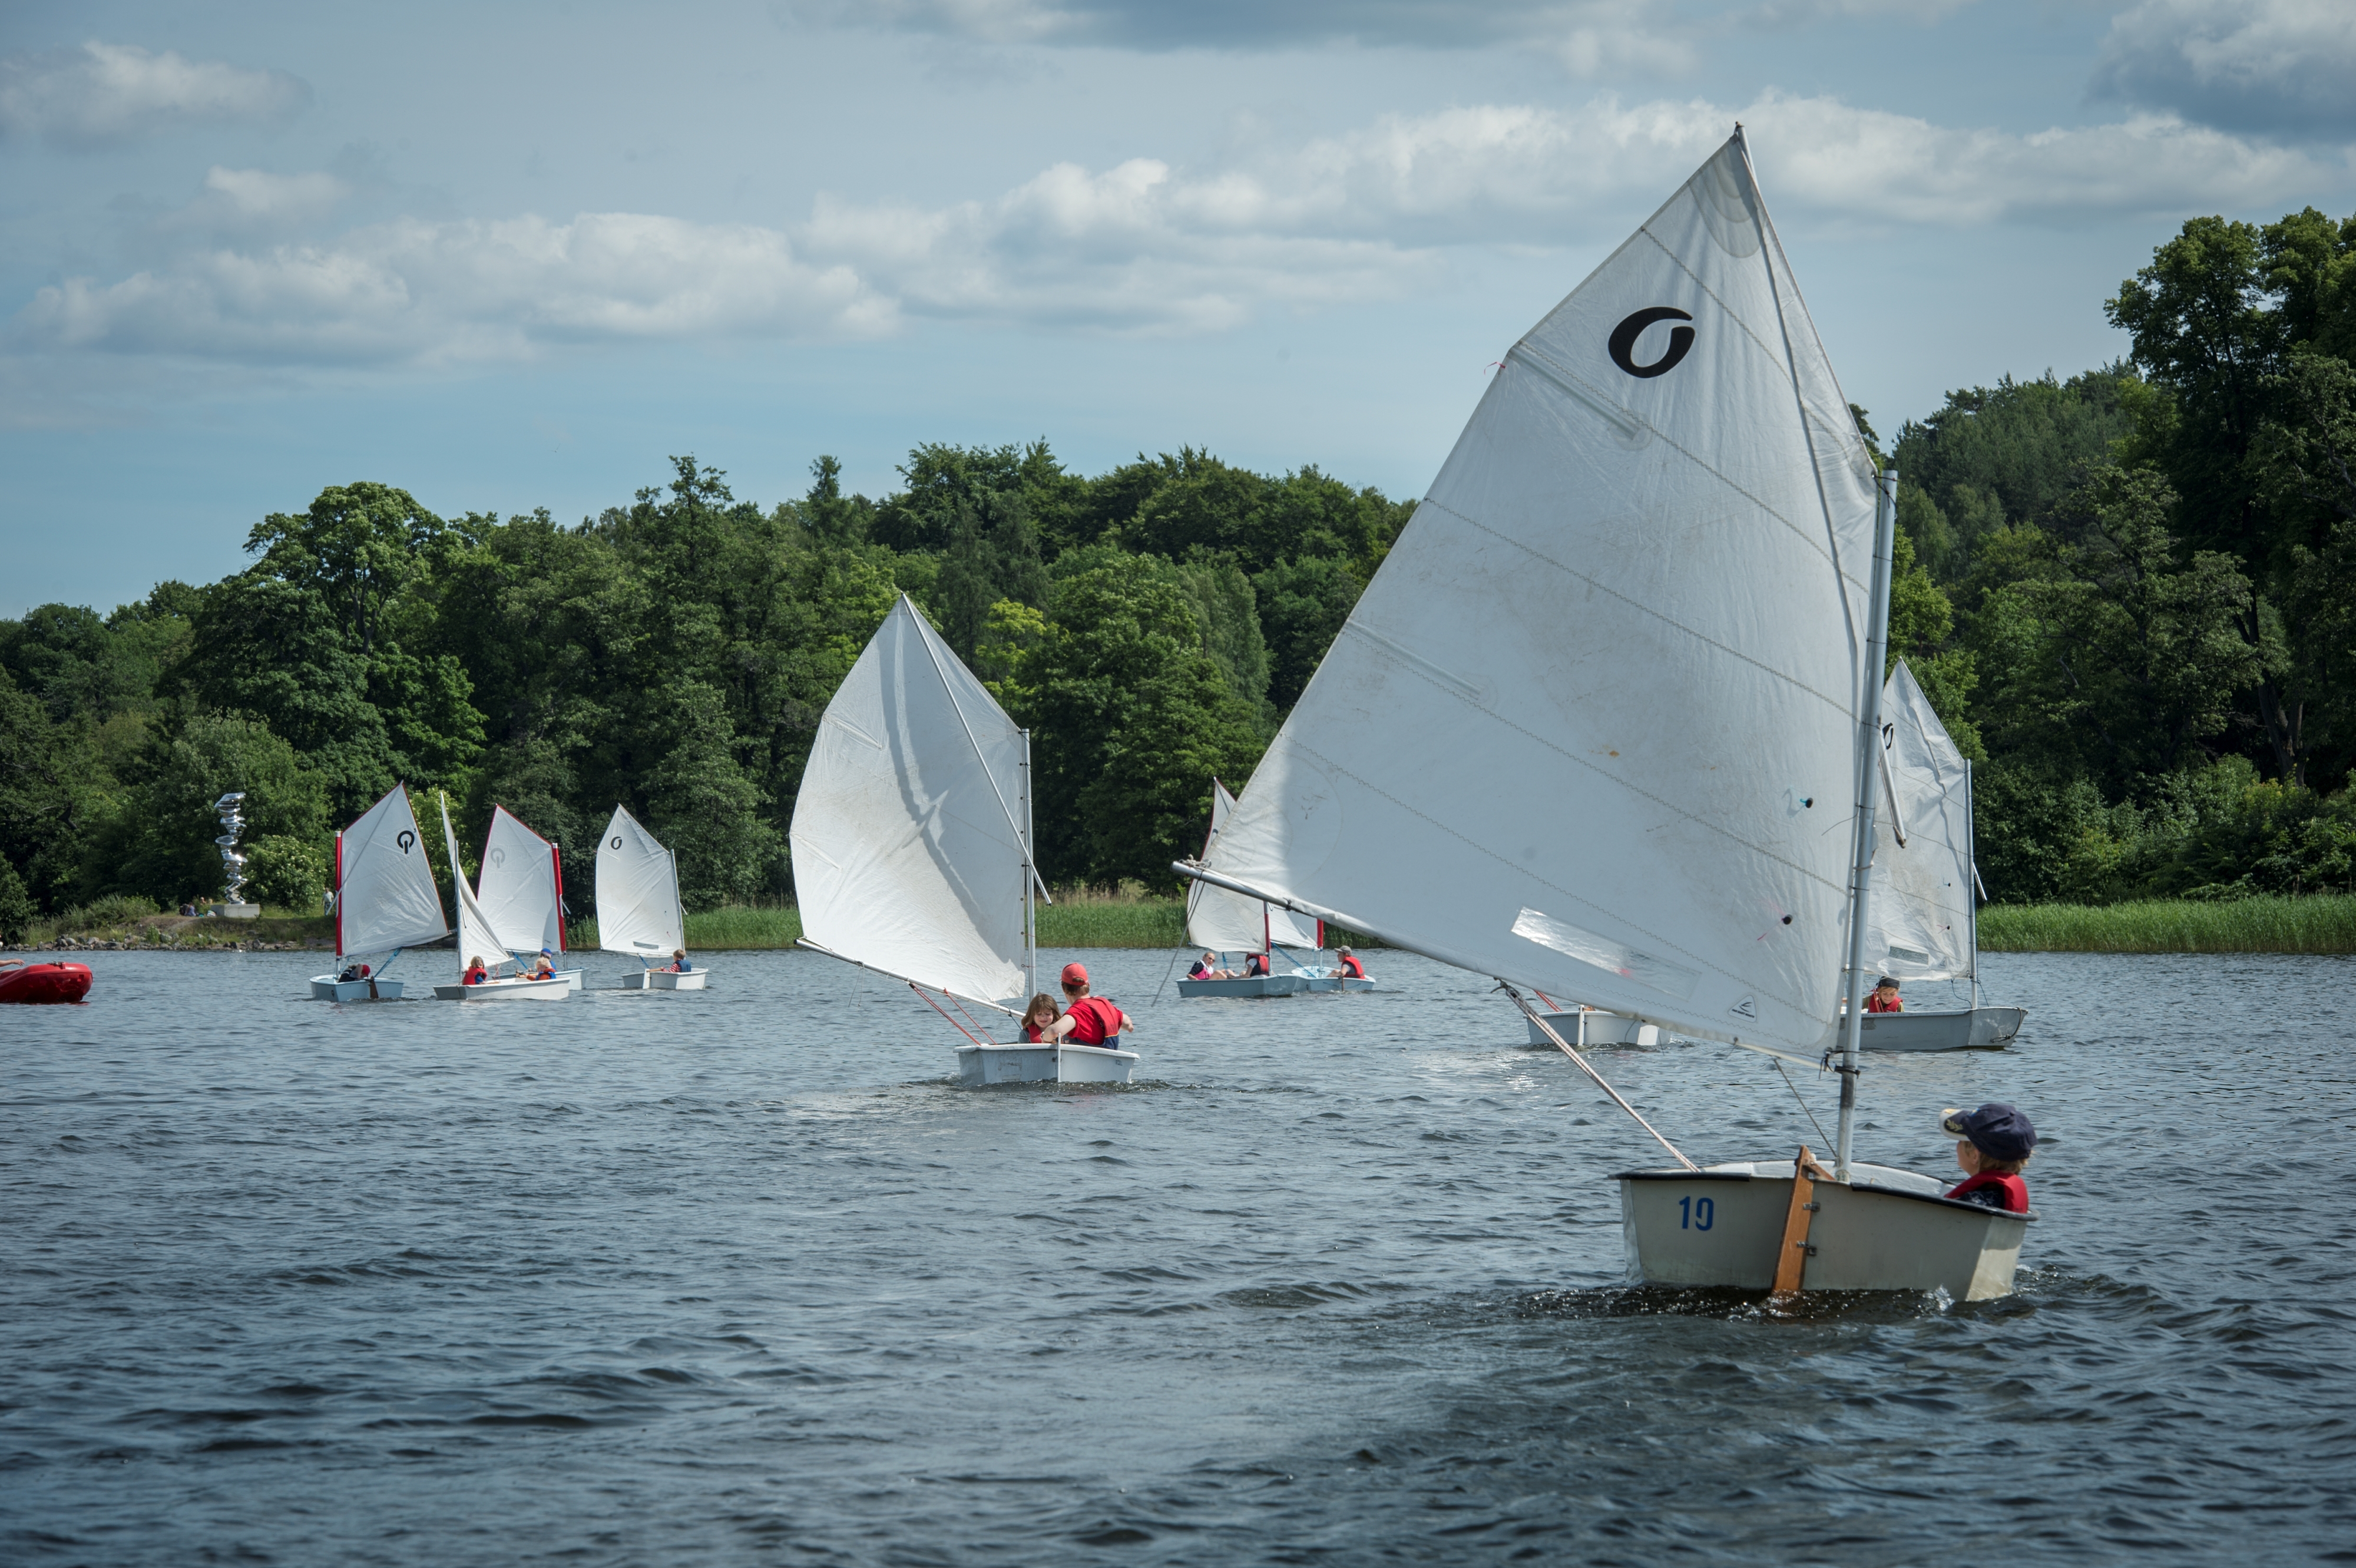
[(22, 982)]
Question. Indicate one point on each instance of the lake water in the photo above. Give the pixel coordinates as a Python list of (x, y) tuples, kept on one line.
[(741, 1277)]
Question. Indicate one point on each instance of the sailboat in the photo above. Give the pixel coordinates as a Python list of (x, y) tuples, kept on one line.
[(385, 898), (521, 890), (912, 850), (1925, 920), (1230, 924), (1635, 635), (637, 906), (477, 938)]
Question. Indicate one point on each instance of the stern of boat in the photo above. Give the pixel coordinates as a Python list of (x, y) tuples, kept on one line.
[(666, 980)]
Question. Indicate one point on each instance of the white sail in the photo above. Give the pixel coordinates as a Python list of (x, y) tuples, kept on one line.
[(1229, 922), (1921, 927), (909, 832), (385, 896), (638, 892), (1593, 726), (477, 938), (522, 886)]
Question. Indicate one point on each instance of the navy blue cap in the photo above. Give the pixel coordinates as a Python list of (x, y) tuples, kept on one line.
[(1996, 1130)]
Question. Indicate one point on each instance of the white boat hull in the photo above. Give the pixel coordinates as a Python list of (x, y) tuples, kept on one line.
[(1601, 1029), (1722, 1227), (506, 991), (981, 1066), (1272, 985), (327, 988), (1959, 1029), (664, 980)]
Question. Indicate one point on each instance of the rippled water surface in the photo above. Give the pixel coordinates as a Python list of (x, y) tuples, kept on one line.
[(740, 1276)]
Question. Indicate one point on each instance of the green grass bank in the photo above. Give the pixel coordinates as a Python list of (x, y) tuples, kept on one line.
[(2319, 924), (1066, 923)]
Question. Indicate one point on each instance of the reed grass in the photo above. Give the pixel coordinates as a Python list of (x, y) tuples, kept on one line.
[(2318, 924), (1072, 921)]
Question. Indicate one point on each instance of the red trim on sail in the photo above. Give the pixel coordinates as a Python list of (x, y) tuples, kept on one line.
[(556, 865), (340, 895)]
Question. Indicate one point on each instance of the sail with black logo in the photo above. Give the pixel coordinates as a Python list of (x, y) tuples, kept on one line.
[(385, 900), (1601, 725), (638, 910)]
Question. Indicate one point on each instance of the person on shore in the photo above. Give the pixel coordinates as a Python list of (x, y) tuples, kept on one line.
[(1207, 968), (1347, 967), (1087, 1020), (1992, 1143), (1885, 997), (678, 964), (1038, 1019), (477, 974)]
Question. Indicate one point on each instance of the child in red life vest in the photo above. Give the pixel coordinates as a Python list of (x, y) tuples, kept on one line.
[(1885, 997), (476, 973), (1991, 1145), (1038, 1019), (1087, 1020), (1348, 967)]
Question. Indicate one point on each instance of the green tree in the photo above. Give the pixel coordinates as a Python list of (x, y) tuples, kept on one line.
[(164, 848), (704, 808), (2305, 462), (1302, 604)]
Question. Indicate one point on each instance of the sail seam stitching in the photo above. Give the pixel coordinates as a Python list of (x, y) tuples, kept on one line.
[(1564, 379), (1668, 942), (1837, 705)]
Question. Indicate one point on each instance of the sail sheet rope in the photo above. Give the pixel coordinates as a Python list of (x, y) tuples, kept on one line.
[(960, 1028)]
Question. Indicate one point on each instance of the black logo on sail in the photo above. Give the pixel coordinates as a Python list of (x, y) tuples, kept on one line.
[(1624, 335), (406, 840)]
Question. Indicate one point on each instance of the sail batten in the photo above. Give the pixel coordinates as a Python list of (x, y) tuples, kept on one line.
[(1592, 727)]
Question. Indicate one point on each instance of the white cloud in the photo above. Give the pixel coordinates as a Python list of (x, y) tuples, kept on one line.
[(2281, 66), (110, 93), (1141, 247), (412, 291)]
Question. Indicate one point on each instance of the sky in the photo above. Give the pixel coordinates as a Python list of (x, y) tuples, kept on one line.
[(519, 256)]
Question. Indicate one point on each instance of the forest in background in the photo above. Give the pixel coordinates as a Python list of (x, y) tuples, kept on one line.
[(2131, 596)]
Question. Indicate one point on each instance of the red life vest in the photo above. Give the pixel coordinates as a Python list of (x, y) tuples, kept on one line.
[(1032, 1034), (2014, 1190), (1874, 1004), (476, 976), (1353, 968), (1094, 1021)]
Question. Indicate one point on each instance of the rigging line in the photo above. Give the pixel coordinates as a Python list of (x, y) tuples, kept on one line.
[(1639, 605), (935, 1006), (1168, 972), (1584, 1066), (1794, 1087)]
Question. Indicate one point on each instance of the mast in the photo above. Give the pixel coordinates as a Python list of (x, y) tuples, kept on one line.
[(1972, 875), (1869, 764), (1030, 916)]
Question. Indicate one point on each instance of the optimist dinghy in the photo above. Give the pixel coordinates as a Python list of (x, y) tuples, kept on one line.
[(522, 891), (1926, 923), (1662, 805), (912, 850), (638, 911), (385, 898), (478, 939), (1232, 925)]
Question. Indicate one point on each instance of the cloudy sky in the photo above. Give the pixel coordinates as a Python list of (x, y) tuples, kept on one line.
[(513, 257)]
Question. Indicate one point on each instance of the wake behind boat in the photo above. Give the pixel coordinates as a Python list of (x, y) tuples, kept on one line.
[(912, 850), (1640, 805)]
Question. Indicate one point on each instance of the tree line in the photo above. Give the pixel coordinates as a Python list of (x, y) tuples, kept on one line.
[(2130, 595), (1151, 624)]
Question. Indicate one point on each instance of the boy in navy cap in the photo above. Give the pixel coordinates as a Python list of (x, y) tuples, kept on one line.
[(1991, 1145)]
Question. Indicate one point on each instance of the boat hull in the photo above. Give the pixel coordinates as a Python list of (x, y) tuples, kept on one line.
[(506, 991), (1722, 1227), (1601, 1029), (327, 988), (664, 980), (40, 984), (1958, 1029), (979, 1067), (1250, 985)]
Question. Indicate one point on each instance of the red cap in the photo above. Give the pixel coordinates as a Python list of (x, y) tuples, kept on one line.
[(1076, 975)]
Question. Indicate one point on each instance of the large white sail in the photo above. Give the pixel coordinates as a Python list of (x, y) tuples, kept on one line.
[(1593, 726), (1229, 922), (521, 887), (638, 892), (909, 832), (385, 896), (477, 938), (1921, 927)]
